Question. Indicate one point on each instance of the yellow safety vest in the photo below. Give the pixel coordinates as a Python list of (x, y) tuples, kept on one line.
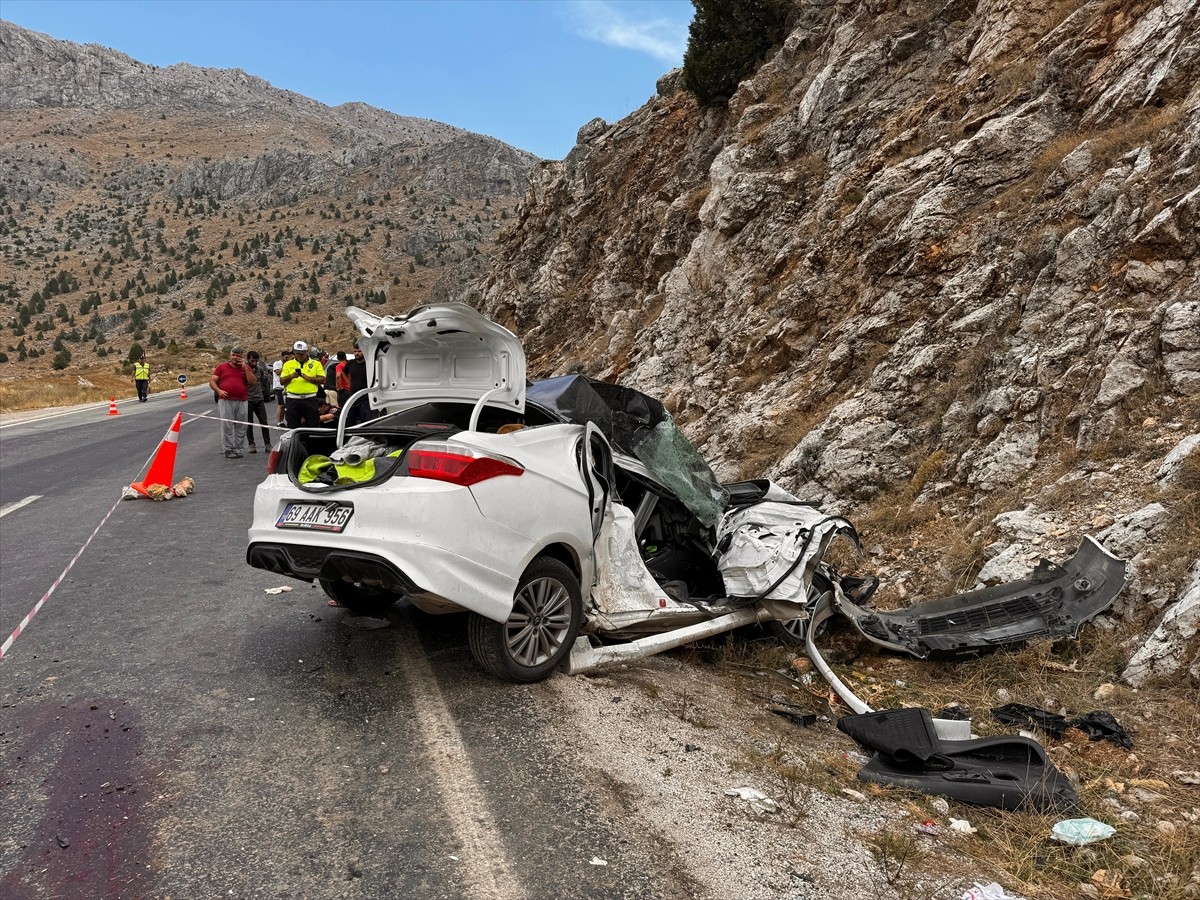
[(317, 468), (298, 387), (141, 371)]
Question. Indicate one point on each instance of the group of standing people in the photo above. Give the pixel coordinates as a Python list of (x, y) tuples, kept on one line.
[(309, 392)]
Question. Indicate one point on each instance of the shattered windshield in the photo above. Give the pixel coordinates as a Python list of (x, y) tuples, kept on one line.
[(638, 426)]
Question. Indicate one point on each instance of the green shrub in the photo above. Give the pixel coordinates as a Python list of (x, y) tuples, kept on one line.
[(727, 40)]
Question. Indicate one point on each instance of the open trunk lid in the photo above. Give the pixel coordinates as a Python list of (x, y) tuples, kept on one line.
[(443, 352)]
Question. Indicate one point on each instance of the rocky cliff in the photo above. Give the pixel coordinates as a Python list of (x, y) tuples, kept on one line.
[(934, 265)]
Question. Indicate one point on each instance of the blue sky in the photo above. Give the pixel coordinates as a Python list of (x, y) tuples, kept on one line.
[(529, 72)]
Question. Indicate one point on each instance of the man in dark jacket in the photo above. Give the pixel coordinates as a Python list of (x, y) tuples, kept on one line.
[(256, 401)]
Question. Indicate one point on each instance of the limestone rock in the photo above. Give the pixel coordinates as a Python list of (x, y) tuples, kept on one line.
[(1134, 532), (1170, 466), (1172, 646)]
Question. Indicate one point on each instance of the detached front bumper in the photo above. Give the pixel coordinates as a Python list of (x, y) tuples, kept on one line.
[(1052, 603)]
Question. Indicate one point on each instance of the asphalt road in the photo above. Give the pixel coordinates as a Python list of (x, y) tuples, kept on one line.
[(168, 729)]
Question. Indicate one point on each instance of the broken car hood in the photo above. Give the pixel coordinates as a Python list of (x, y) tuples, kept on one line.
[(1052, 603), (443, 352)]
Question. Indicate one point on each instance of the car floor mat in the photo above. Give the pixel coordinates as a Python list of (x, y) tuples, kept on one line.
[(905, 737), (1006, 772)]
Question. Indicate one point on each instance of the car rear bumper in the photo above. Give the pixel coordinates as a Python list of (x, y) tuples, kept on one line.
[(397, 540), (425, 572)]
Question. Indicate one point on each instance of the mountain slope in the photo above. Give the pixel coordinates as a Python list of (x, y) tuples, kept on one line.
[(170, 206)]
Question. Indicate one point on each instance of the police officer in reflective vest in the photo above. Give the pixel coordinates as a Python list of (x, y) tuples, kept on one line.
[(303, 381), (141, 379)]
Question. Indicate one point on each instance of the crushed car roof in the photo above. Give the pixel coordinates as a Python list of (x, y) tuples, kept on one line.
[(638, 426)]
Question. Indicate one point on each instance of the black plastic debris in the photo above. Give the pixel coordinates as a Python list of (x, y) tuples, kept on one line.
[(1054, 601), (1097, 725), (1031, 717), (1005, 772), (804, 720), (905, 737), (1101, 726)]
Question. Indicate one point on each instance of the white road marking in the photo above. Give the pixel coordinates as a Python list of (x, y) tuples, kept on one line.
[(69, 412), (88, 407), (490, 875), (13, 507)]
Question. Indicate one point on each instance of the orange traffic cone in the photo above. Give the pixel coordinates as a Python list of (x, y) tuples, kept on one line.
[(183, 393), (112, 407), (162, 470)]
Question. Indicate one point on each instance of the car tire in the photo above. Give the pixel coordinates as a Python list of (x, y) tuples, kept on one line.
[(546, 617), (791, 632), (360, 599)]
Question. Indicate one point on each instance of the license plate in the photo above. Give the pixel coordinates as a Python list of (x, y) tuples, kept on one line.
[(316, 516)]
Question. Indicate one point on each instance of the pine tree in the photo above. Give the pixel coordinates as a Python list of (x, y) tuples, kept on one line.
[(727, 40)]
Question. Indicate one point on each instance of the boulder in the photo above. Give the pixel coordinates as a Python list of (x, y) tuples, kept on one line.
[(1173, 647)]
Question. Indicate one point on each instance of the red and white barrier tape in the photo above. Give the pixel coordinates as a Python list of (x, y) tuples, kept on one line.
[(74, 559), (46, 596), (194, 416), (57, 581)]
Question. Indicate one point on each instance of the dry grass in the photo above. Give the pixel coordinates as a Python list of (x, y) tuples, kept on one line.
[(789, 779), (1148, 859), (695, 200), (1155, 852), (40, 390), (45, 391), (1174, 555), (1105, 146), (904, 512), (1140, 859), (1064, 675), (897, 853)]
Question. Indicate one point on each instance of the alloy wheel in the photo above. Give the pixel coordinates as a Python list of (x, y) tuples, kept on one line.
[(540, 621)]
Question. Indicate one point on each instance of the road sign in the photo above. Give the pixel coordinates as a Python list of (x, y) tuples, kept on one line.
[(183, 379)]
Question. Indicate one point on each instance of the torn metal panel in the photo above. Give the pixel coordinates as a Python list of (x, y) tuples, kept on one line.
[(770, 549), (1052, 603)]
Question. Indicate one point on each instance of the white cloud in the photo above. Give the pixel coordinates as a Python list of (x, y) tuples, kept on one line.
[(633, 26)]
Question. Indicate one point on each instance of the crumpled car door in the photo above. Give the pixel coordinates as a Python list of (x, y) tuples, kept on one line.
[(596, 467)]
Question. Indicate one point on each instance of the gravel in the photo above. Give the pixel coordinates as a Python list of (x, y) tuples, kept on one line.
[(673, 737)]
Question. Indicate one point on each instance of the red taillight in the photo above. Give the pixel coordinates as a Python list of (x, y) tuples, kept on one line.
[(462, 467), (272, 460)]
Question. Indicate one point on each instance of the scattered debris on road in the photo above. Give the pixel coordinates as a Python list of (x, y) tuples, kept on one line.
[(759, 802)]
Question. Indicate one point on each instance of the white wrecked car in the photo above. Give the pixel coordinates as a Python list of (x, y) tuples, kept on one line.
[(562, 515)]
